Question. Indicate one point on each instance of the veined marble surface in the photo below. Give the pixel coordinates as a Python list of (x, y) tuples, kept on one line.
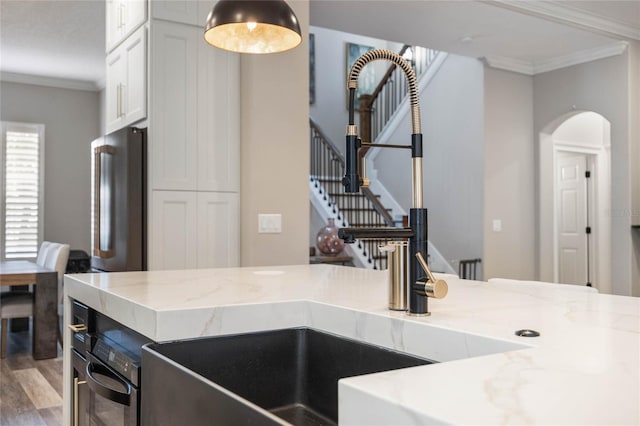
[(583, 369)]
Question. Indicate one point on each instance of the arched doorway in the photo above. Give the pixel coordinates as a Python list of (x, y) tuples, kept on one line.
[(575, 200)]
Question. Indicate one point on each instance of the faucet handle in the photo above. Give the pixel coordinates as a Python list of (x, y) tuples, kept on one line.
[(433, 287)]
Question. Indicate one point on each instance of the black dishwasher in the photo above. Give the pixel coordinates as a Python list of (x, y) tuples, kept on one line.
[(106, 359)]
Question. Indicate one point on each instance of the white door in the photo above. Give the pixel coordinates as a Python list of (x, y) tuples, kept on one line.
[(572, 237)]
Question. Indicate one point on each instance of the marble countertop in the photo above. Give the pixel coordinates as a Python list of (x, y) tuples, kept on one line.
[(583, 369)]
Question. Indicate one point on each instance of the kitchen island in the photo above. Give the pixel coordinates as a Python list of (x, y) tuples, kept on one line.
[(584, 368)]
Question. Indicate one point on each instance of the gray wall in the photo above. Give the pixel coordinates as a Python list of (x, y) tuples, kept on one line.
[(509, 176), (275, 152), (71, 119), (452, 125), (601, 86), (634, 159)]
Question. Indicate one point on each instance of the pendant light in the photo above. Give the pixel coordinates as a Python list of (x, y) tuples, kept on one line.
[(253, 26)]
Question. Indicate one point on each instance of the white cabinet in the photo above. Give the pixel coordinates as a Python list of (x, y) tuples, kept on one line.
[(173, 125), (193, 147), (183, 11), (173, 230), (194, 230), (218, 119), (123, 17), (218, 229), (126, 99), (194, 118)]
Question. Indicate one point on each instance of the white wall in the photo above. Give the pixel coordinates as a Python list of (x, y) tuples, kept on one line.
[(275, 151), (601, 86), (587, 128), (330, 109), (71, 119), (509, 170), (452, 123)]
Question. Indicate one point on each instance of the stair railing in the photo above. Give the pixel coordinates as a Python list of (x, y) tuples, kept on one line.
[(377, 108), (360, 209)]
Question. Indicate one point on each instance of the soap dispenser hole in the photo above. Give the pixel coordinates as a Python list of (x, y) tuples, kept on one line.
[(527, 333)]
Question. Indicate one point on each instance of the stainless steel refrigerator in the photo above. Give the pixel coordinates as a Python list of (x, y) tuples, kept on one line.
[(119, 201)]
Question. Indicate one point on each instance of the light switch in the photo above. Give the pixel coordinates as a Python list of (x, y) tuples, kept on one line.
[(497, 225), (269, 223)]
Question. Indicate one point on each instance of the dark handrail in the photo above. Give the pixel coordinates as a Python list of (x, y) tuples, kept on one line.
[(387, 76), (377, 108), (375, 203), (378, 207), (356, 210), (327, 140)]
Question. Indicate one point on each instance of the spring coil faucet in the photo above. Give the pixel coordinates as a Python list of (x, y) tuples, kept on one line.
[(421, 282)]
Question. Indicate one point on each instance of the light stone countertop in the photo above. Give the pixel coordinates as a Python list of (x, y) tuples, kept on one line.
[(583, 369)]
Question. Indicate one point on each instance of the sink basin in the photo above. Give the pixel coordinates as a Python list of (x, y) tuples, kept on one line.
[(285, 376)]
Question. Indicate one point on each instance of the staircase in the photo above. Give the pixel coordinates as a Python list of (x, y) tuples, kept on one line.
[(363, 209)]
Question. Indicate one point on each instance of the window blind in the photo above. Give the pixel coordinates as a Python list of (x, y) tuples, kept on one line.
[(22, 206)]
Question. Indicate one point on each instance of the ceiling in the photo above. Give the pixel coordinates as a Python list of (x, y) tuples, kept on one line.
[(65, 39), (54, 38)]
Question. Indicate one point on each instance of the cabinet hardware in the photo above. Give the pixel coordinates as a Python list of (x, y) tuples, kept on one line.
[(123, 96), (118, 101), (77, 328), (121, 7), (76, 384)]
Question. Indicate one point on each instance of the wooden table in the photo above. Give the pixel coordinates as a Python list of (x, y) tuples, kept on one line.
[(45, 309)]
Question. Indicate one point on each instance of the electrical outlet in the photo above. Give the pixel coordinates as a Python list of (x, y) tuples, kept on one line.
[(269, 223), (497, 225)]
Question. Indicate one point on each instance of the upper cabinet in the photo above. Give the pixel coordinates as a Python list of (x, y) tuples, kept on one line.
[(194, 113), (126, 86), (173, 119), (183, 11), (123, 18), (192, 12)]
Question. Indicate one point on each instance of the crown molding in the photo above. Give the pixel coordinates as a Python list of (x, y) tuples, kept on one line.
[(559, 12), (38, 80), (575, 58), (510, 64)]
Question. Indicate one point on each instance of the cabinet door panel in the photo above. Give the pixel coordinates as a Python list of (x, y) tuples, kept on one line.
[(172, 243), (135, 93), (218, 230), (218, 119), (174, 98), (135, 14), (113, 23), (183, 11), (123, 17), (116, 69)]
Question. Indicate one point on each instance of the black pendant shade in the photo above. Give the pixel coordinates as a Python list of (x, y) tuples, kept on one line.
[(252, 26)]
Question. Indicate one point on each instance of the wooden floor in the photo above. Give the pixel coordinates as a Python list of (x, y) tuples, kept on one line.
[(30, 391)]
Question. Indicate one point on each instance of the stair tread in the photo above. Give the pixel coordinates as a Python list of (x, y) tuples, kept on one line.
[(351, 194), (338, 180), (350, 209)]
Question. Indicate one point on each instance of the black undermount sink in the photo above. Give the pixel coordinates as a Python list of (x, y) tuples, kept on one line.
[(285, 376)]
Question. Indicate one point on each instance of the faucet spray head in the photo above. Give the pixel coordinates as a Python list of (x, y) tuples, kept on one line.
[(352, 180)]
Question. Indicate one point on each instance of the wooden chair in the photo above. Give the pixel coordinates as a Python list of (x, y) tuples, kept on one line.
[(467, 268), (19, 304)]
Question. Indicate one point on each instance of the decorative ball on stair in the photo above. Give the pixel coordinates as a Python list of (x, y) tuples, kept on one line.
[(327, 239)]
